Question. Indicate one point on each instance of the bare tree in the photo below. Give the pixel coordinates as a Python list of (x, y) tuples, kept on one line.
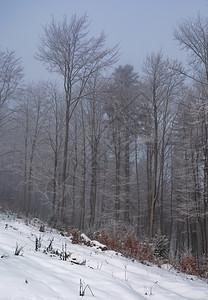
[(31, 114), (121, 110), (11, 74), (97, 127), (160, 87), (192, 35), (54, 135), (67, 49)]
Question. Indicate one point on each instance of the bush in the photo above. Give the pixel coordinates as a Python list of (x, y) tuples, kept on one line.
[(109, 240), (202, 271), (128, 245), (56, 223), (188, 264), (145, 253), (131, 245), (76, 237), (102, 237), (115, 236), (161, 246)]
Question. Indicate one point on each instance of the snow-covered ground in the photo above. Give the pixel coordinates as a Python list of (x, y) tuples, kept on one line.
[(103, 275)]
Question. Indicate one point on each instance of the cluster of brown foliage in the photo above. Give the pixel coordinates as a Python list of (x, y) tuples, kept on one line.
[(76, 237), (188, 265), (129, 246)]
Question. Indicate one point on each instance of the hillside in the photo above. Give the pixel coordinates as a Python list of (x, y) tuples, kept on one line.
[(97, 274)]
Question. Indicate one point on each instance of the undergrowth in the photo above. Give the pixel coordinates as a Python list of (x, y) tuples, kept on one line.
[(122, 239), (145, 251), (188, 265)]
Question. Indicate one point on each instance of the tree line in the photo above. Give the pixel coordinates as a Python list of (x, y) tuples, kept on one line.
[(99, 147)]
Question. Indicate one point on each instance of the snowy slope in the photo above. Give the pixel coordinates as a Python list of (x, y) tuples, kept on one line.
[(103, 274)]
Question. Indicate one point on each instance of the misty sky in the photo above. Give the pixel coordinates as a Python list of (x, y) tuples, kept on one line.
[(140, 26)]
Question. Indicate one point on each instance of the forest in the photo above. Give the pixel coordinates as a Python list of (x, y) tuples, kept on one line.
[(104, 146)]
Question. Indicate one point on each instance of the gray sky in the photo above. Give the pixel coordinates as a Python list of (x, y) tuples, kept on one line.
[(140, 26)]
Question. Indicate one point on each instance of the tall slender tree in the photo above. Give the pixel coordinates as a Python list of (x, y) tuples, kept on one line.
[(123, 123), (11, 75), (67, 49), (192, 35), (160, 87)]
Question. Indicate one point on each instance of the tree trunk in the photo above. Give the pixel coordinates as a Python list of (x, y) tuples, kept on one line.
[(138, 186), (25, 165), (155, 167), (55, 175), (118, 187), (127, 179), (64, 168), (93, 185), (34, 142), (149, 182), (74, 178)]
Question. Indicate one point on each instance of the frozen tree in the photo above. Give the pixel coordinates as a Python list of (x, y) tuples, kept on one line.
[(66, 48), (11, 74), (123, 121), (192, 35), (161, 85), (31, 114)]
